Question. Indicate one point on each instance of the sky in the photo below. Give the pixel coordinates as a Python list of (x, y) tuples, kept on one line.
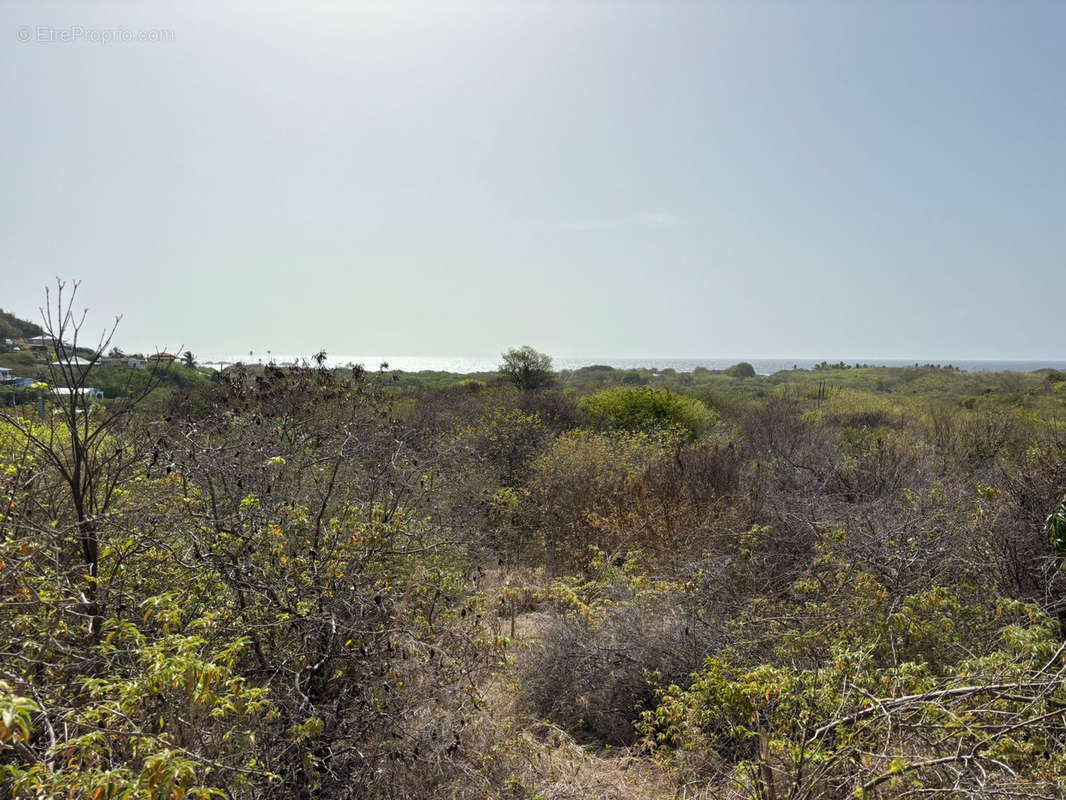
[(673, 179)]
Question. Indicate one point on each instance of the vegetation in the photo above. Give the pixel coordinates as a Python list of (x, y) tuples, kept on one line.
[(526, 368), (11, 327), (301, 582), (645, 408), (741, 370), (49, 367)]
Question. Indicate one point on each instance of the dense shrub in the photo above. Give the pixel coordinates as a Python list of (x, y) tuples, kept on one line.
[(583, 475), (505, 440), (678, 506), (741, 370), (916, 698), (646, 408), (253, 606)]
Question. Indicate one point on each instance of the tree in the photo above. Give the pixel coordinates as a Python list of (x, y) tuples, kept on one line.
[(527, 368), (188, 359), (741, 370), (85, 444)]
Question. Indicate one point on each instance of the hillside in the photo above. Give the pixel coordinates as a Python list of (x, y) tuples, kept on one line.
[(11, 327)]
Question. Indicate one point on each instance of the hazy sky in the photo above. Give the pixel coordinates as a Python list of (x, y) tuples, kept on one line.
[(852, 179)]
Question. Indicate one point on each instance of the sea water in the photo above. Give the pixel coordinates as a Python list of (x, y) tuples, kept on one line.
[(763, 366)]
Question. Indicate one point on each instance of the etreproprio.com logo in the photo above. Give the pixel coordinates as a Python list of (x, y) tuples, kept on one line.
[(72, 34)]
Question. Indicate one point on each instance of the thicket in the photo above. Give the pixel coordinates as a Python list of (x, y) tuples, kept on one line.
[(645, 409), (306, 583)]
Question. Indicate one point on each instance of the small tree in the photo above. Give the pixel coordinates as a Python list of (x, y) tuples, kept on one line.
[(188, 359), (527, 368), (85, 443), (741, 370)]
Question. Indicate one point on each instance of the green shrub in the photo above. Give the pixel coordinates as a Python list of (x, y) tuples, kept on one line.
[(741, 370), (471, 385), (645, 408), (855, 722)]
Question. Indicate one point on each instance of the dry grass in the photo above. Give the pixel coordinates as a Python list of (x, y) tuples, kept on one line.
[(553, 766), (570, 772)]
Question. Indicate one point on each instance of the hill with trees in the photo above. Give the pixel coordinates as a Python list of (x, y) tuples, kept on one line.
[(11, 327)]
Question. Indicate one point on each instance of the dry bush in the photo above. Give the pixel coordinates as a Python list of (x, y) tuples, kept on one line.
[(877, 463), (556, 407), (972, 440), (580, 477), (1013, 523), (592, 677), (676, 507), (773, 425), (437, 413), (698, 476)]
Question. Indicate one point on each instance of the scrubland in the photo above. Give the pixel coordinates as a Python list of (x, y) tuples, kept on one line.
[(296, 583)]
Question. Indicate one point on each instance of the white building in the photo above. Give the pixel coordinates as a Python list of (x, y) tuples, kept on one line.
[(85, 391), (75, 361)]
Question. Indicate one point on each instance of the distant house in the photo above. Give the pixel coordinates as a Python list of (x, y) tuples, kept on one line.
[(76, 361), (85, 391), (7, 379), (47, 342), (124, 361), (71, 364), (164, 357)]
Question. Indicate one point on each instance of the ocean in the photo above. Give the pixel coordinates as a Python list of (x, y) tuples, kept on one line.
[(763, 366)]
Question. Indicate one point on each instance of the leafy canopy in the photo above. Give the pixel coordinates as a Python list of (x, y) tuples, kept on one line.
[(644, 408), (527, 368)]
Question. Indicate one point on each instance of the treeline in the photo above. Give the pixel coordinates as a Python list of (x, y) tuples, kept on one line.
[(11, 327)]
